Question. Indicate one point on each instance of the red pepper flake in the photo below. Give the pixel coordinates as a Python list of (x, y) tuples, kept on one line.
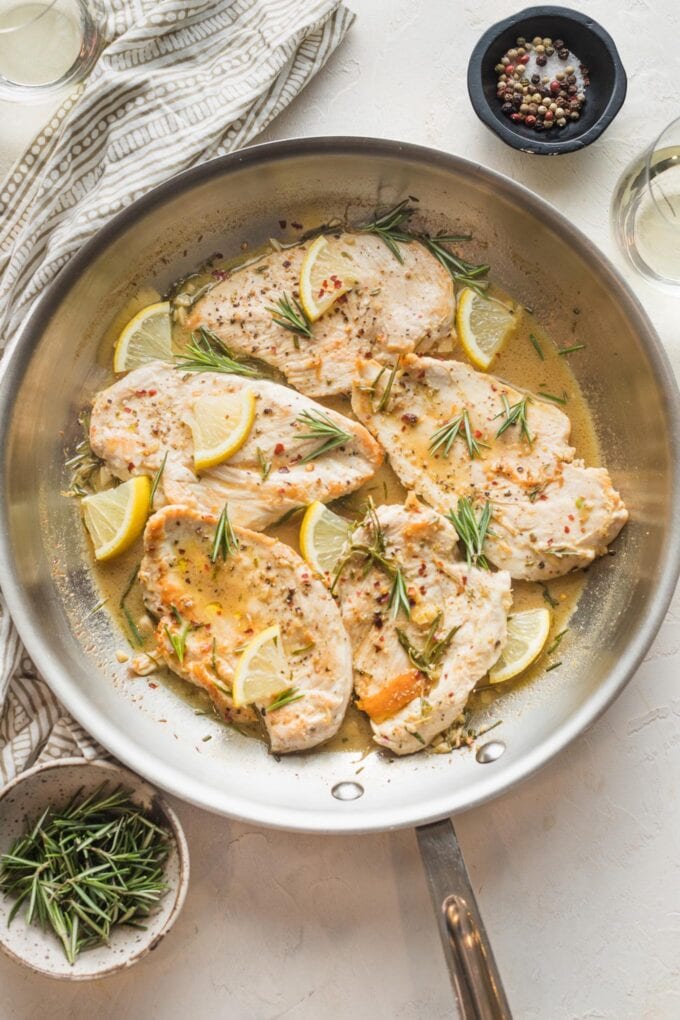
[(409, 419), (152, 685), (128, 410), (295, 226), (571, 517), (282, 224), (140, 393), (567, 529), (152, 393), (286, 264), (220, 274), (131, 466), (279, 448), (478, 434)]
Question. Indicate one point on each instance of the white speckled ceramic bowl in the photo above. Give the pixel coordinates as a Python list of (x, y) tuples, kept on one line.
[(54, 783)]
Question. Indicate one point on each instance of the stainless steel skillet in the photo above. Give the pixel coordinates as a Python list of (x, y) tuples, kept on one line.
[(62, 357)]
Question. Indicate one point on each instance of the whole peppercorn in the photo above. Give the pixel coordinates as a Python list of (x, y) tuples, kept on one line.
[(559, 112), (569, 69), (524, 58), (537, 41), (512, 54), (517, 117), (571, 79), (581, 97), (541, 60), (561, 121), (560, 75), (540, 48), (506, 107), (533, 109), (509, 68), (537, 97), (554, 87), (521, 41), (547, 42), (524, 108), (499, 68), (505, 61), (549, 115), (536, 78), (553, 107), (574, 115), (521, 52), (558, 44), (538, 126), (549, 50), (530, 120), (542, 110), (572, 90), (563, 54)]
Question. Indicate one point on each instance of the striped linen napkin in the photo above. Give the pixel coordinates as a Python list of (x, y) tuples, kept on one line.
[(177, 82)]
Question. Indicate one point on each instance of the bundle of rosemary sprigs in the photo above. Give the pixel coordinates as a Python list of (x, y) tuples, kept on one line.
[(82, 870)]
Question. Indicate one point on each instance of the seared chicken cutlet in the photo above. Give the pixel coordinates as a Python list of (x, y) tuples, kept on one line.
[(450, 432), (146, 415), (394, 308), (413, 675), (212, 610)]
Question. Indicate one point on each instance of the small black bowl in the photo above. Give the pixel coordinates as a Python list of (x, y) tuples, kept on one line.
[(587, 40)]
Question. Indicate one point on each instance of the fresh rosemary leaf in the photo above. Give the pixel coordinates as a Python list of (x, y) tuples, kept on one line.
[(290, 513), (473, 530), (134, 629), (547, 597), (179, 639), (570, 350), (445, 436), (556, 400), (398, 595), (515, 415), (264, 465), (383, 403), (556, 642), (322, 428), (290, 314), (156, 480), (555, 665), (225, 540), (286, 697), (207, 353), (537, 347)]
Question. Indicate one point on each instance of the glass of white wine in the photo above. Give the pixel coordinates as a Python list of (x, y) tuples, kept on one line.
[(645, 210), (46, 46)]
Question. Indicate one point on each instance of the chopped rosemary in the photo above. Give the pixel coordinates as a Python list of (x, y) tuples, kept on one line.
[(207, 353), (547, 597), (134, 630), (398, 594), (472, 530), (556, 400), (392, 228), (427, 658), (291, 316), (321, 427), (179, 640), (286, 697), (83, 869), (555, 665), (458, 426), (264, 465), (225, 540), (556, 642), (515, 414), (570, 350), (156, 480), (537, 347)]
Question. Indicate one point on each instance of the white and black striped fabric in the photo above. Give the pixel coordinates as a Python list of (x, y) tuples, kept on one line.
[(177, 82)]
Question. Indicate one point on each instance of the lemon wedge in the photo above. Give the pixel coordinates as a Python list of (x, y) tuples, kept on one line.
[(147, 337), (262, 671), (325, 275), (116, 517), (220, 426), (323, 537), (527, 635), (484, 325)]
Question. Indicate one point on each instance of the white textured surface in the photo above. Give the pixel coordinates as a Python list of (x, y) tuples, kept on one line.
[(577, 871)]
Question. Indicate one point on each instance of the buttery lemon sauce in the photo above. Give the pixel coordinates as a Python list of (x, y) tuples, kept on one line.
[(520, 364)]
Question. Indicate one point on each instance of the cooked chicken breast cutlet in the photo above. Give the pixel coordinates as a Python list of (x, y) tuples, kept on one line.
[(551, 514), (145, 415), (394, 308), (219, 607), (413, 675)]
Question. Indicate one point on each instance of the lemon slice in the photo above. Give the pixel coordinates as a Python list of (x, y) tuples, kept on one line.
[(484, 325), (147, 337), (262, 670), (220, 426), (527, 635), (326, 274), (116, 517), (323, 537)]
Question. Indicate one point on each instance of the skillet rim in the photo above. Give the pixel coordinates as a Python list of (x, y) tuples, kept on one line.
[(174, 781)]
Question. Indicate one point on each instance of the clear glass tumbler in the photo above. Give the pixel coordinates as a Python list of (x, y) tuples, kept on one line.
[(645, 210), (46, 46)]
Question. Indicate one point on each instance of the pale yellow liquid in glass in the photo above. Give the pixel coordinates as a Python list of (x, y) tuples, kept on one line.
[(43, 44)]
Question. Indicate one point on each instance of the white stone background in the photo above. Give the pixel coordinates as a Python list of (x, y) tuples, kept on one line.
[(577, 871)]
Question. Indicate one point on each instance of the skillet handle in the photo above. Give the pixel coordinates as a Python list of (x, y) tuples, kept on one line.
[(471, 964)]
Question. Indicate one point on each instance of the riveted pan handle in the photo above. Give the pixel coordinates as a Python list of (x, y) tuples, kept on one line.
[(471, 964)]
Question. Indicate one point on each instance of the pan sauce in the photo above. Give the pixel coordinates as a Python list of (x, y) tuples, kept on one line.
[(519, 364)]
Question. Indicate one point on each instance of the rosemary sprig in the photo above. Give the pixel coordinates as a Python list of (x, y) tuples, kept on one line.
[(264, 465), (156, 480), (427, 658), (286, 697), (556, 642), (225, 540), (179, 640), (537, 347), (391, 228), (383, 403), (555, 399), (398, 594), (458, 426), (375, 554), (322, 428), (515, 414), (207, 353), (83, 464), (134, 629), (84, 869), (473, 530), (290, 314)]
